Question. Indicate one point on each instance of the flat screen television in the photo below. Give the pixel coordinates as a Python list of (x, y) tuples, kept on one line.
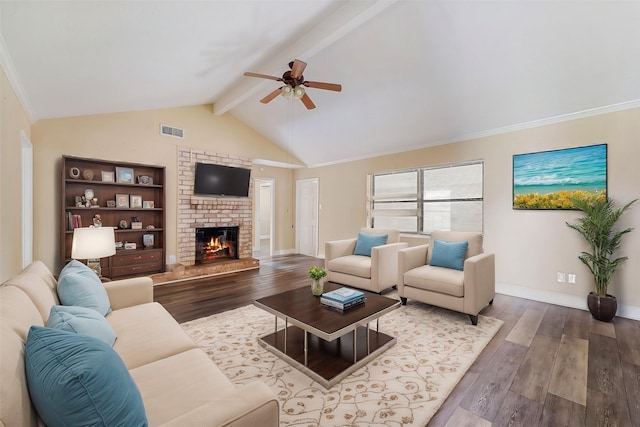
[(219, 180)]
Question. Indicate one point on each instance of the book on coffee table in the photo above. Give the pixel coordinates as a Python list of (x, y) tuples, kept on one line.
[(342, 298), (341, 305), (343, 295)]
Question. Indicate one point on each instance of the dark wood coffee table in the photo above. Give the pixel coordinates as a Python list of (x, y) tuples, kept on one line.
[(325, 343)]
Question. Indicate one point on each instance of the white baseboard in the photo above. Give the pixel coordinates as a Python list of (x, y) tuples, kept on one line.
[(627, 311), (284, 252)]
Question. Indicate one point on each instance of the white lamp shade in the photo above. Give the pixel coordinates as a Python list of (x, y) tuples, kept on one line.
[(89, 243)]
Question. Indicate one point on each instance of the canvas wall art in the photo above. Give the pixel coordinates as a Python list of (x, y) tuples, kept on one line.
[(548, 179)]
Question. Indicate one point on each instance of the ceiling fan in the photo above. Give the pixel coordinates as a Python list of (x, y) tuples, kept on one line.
[(294, 84)]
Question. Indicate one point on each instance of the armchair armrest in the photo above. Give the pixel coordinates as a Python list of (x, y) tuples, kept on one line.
[(338, 248), (129, 292), (248, 405), (384, 265), (408, 259), (479, 282)]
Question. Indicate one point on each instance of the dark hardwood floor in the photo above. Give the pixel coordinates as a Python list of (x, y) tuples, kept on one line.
[(547, 366)]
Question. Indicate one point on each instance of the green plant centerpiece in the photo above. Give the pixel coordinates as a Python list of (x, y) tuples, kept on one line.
[(597, 226), (317, 274)]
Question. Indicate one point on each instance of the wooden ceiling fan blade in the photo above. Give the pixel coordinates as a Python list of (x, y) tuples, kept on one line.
[(307, 102), (297, 68), (271, 96), (263, 76), (326, 86)]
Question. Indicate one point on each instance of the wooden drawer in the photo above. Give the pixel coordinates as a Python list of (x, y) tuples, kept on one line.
[(137, 269), (134, 257)]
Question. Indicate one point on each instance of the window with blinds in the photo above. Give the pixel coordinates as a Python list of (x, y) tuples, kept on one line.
[(425, 199)]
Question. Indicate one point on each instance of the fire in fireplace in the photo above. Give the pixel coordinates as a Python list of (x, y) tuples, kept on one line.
[(216, 243)]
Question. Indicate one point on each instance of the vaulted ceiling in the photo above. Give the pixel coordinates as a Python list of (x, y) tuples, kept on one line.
[(414, 73)]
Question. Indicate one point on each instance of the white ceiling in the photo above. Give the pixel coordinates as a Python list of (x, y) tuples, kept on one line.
[(414, 73)]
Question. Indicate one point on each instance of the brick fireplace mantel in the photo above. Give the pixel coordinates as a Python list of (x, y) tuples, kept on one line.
[(199, 211)]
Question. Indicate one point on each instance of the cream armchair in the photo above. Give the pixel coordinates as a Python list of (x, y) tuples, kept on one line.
[(372, 273), (467, 291)]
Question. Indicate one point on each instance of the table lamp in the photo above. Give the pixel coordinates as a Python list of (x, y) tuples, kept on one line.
[(92, 244)]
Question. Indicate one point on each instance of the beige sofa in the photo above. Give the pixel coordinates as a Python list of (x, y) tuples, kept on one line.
[(375, 273), (178, 382), (467, 291)]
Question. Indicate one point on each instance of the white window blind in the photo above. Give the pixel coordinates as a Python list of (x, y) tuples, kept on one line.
[(422, 200)]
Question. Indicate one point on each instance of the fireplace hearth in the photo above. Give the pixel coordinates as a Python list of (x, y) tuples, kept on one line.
[(215, 244)]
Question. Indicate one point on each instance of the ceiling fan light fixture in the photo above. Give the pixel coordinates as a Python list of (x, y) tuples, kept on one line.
[(287, 91), (298, 92)]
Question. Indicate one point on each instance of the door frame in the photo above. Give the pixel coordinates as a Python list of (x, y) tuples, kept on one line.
[(257, 184)]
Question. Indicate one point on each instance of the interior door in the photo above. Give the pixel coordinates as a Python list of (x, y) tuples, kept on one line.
[(307, 216), (263, 216)]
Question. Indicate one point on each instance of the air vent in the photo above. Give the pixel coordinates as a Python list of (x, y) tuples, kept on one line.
[(171, 131)]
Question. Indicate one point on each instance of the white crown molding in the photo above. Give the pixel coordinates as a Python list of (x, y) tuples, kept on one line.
[(276, 164), (572, 301), (15, 82), (627, 105)]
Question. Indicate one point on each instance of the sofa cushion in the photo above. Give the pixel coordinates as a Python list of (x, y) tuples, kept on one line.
[(366, 241), (81, 320), (15, 404), (354, 265), (147, 333), (187, 381), (75, 379), (473, 237), (79, 285), (39, 284), (449, 254), (436, 279)]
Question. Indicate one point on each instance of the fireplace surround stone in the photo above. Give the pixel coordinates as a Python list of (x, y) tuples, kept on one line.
[(204, 212)]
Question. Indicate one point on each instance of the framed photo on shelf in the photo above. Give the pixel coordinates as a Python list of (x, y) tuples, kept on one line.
[(148, 240), (135, 201), (122, 200), (124, 175), (148, 204), (145, 180), (108, 176)]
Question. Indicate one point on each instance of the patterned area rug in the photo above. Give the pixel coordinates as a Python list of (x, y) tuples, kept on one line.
[(404, 386)]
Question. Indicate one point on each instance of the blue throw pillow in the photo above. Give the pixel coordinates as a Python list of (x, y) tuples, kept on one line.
[(75, 380), (81, 320), (449, 254), (79, 285), (367, 241)]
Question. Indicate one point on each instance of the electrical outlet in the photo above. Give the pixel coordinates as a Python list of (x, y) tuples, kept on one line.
[(571, 278), (561, 277)]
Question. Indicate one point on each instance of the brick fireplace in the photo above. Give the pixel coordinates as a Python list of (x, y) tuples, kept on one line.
[(206, 213), (216, 244)]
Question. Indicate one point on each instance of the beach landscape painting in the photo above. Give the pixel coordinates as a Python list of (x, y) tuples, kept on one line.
[(549, 179)]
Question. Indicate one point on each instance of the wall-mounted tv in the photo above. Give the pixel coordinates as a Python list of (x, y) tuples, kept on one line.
[(219, 180)]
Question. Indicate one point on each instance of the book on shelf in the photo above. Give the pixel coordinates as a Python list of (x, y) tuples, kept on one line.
[(340, 305), (75, 221), (343, 295)]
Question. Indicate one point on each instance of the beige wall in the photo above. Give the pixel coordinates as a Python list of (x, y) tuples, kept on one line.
[(132, 137), (13, 121), (530, 246)]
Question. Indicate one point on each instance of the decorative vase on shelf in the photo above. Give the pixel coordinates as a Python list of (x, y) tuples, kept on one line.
[(317, 287)]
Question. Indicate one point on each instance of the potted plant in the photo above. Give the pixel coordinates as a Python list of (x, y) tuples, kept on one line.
[(317, 274), (597, 228)]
